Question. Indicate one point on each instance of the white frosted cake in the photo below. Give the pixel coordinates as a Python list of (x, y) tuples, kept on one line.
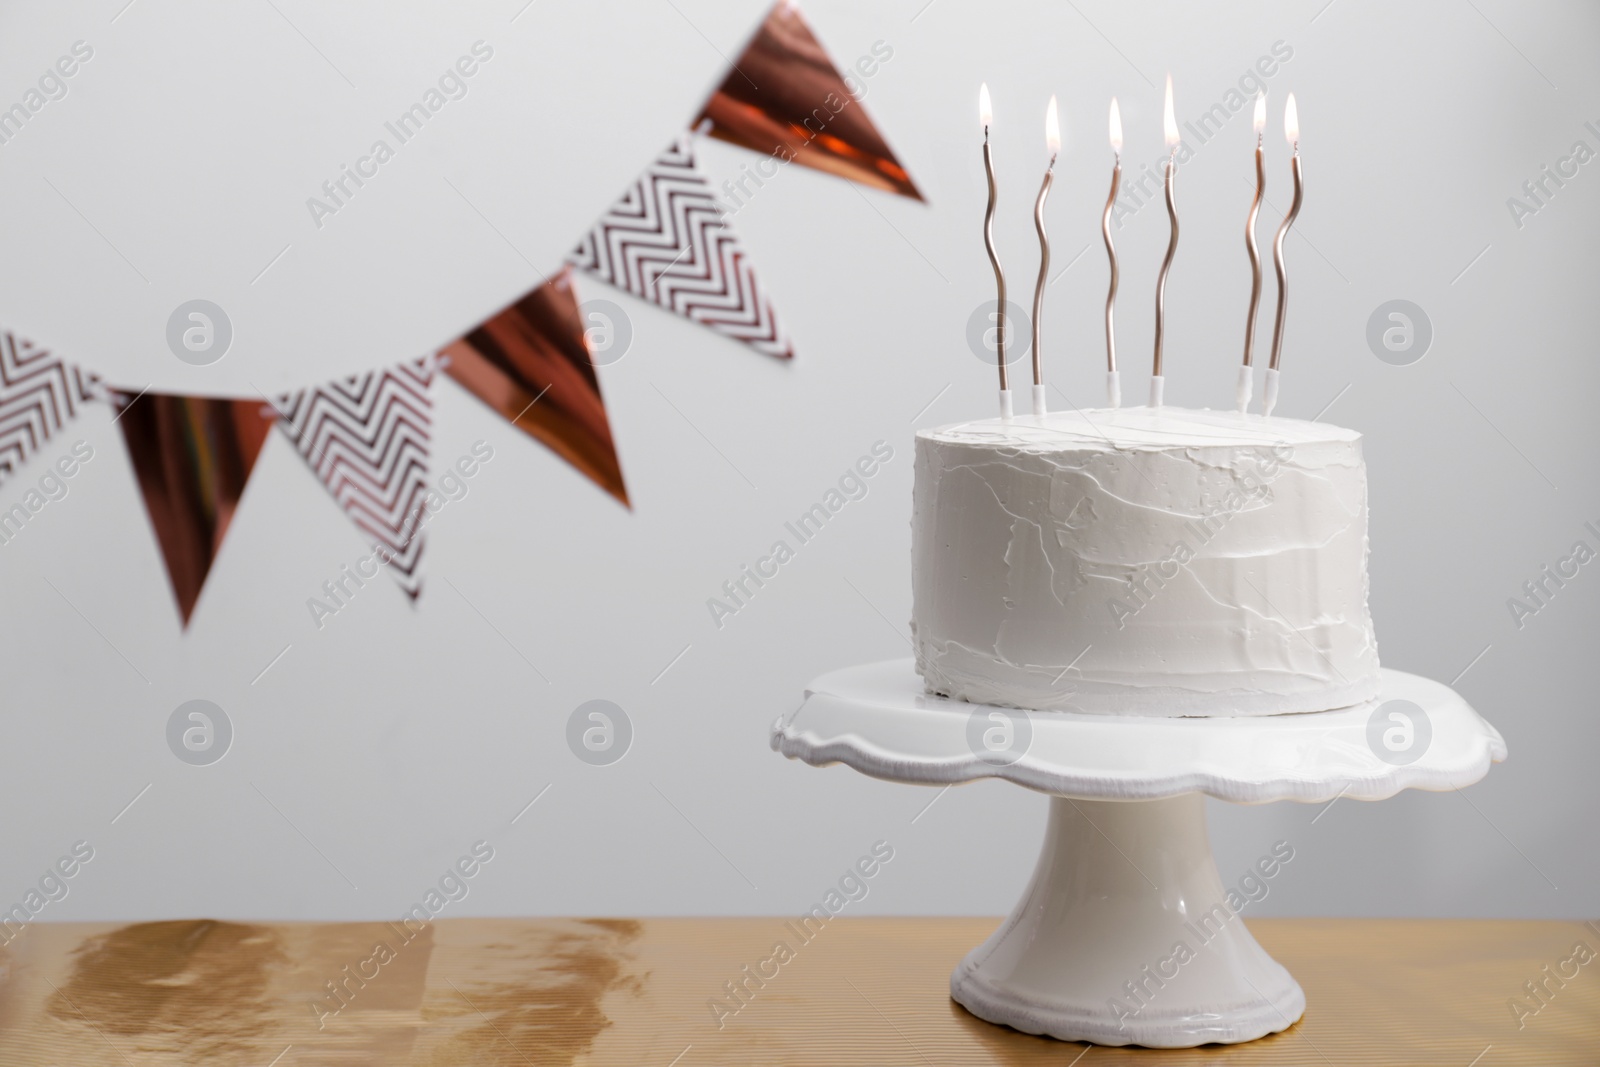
[(1144, 562)]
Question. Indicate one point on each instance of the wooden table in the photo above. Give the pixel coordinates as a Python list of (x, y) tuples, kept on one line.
[(547, 992)]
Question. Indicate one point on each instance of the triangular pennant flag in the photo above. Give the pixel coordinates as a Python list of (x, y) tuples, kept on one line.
[(532, 364), (193, 456), (666, 241), (38, 395), (784, 97), (367, 438)]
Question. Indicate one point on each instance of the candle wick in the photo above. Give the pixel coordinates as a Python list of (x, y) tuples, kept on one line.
[(1052, 165)]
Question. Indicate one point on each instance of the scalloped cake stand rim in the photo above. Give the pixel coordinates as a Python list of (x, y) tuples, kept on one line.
[(877, 719)]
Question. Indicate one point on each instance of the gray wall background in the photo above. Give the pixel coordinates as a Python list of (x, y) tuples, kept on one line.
[(377, 749)]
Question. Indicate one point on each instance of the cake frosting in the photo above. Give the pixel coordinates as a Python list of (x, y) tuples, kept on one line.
[(1144, 562)]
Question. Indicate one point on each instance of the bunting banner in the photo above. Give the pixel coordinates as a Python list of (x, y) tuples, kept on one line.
[(785, 98), (532, 364), (192, 456), (39, 394), (667, 241), (367, 438)]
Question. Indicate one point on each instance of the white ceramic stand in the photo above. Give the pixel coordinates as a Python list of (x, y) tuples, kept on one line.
[(1125, 877)]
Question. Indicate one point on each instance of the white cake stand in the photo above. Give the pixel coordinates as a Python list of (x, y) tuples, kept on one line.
[(1126, 876)]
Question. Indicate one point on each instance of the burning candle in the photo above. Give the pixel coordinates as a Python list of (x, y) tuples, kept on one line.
[(1052, 142), (985, 115), (1113, 386), (1169, 126), (1242, 392), (1291, 133)]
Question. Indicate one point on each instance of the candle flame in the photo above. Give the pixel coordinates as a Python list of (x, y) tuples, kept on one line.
[(985, 109), (1052, 127), (1291, 122), (1261, 112), (1116, 127), (1169, 121)]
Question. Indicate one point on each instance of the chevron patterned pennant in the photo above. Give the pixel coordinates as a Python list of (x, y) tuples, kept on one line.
[(39, 394), (367, 438), (667, 241)]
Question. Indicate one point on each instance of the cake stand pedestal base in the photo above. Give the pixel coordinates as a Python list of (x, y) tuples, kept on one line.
[(1124, 936)]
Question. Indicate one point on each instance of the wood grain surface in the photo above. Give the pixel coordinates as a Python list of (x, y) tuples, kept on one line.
[(492, 992)]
